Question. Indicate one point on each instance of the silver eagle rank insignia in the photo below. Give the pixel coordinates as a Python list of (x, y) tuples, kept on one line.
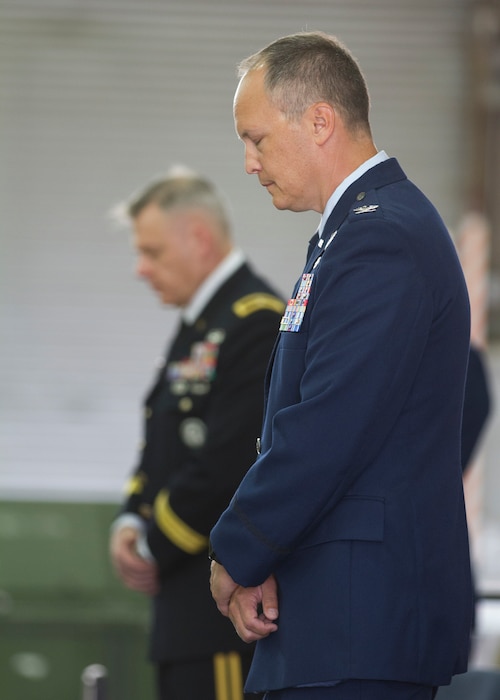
[(365, 209)]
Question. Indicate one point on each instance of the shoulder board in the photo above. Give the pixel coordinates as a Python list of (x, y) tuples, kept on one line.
[(259, 301)]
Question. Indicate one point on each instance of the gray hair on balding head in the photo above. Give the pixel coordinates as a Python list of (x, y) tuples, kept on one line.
[(308, 67), (180, 188)]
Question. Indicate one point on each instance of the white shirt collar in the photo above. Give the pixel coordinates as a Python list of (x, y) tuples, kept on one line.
[(355, 175), (211, 284)]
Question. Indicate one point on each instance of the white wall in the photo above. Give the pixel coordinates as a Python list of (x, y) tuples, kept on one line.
[(97, 96)]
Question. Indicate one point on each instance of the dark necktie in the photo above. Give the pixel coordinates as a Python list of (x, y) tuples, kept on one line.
[(312, 245)]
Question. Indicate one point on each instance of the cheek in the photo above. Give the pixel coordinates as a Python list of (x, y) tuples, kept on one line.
[(287, 163), (179, 270)]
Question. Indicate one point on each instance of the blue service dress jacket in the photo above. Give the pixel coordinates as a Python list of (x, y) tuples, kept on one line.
[(356, 502)]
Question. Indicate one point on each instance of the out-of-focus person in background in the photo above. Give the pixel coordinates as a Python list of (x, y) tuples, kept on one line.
[(477, 408), (201, 419), (477, 405)]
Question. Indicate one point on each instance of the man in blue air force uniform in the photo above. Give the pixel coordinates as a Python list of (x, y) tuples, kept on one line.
[(344, 551)]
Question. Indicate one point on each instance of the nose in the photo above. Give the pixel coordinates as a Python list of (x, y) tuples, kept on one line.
[(252, 163), (142, 267)]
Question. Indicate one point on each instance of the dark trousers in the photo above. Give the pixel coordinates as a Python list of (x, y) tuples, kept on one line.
[(357, 690), (218, 678)]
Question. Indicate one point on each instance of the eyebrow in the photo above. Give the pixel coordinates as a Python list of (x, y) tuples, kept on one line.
[(249, 134)]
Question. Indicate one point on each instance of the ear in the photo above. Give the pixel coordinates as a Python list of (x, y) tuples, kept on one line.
[(202, 235), (322, 119)]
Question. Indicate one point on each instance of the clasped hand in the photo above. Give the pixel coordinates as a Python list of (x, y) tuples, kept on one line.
[(253, 611), (135, 572)]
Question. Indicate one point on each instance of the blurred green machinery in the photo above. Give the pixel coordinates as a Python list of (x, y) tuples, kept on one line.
[(62, 607)]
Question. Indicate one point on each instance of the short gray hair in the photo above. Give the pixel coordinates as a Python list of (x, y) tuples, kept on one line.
[(308, 67), (180, 188)]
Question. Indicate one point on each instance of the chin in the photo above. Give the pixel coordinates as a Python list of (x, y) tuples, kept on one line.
[(295, 206), (280, 204)]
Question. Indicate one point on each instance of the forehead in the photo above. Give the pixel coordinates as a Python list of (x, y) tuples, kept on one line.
[(153, 224), (251, 104)]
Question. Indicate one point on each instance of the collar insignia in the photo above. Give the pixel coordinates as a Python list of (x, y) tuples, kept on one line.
[(365, 209)]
